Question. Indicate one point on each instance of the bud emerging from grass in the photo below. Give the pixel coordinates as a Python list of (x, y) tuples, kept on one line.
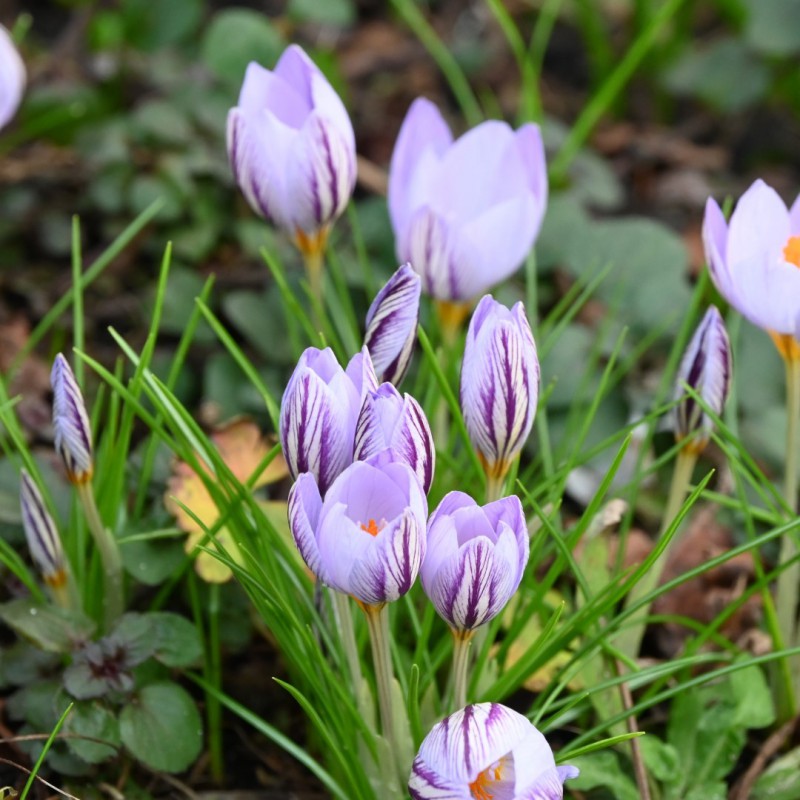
[(392, 325), (73, 434), (706, 368), (499, 383), (40, 531), (487, 751)]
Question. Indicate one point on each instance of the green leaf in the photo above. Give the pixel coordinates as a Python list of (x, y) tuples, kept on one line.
[(236, 37), (661, 758), (93, 721), (152, 561), (754, 706), (604, 769), (336, 13), (150, 26), (162, 728), (781, 780), (177, 643), (773, 26), (48, 628), (136, 634)]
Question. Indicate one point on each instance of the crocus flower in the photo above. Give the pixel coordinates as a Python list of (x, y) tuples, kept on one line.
[(41, 534), (292, 148), (12, 77), (396, 424), (73, 433), (486, 751), (367, 538), (706, 368), (475, 558), (392, 325), (755, 262), (499, 383), (319, 410), (465, 213)]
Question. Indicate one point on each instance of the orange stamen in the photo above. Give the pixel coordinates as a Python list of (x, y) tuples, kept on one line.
[(792, 250), (479, 788), (373, 528)]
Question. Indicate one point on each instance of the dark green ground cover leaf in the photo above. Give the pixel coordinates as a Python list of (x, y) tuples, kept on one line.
[(781, 780), (177, 642), (152, 561), (162, 728), (47, 627), (93, 720), (773, 26)]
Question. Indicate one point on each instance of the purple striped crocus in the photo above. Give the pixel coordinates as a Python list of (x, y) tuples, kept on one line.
[(292, 148), (706, 368), (499, 383), (397, 425), (367, 537), (73, 433), (41, 534), (392, 325), (475, 558), (465, 213), (319, 410), (486, 752), (12, 78), (754, 261)]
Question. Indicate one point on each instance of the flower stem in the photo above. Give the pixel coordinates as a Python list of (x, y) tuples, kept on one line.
[(214, 674), (789, 578), (378, 623), (344, 623), (630, 639), (314, 263), (462, 641), (109, 555), (494, 487)]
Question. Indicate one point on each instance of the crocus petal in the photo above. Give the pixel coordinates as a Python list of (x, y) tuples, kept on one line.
[(392, 324), (531, 151), (424, 137), (759, 224), (491, 744), (499, 383), (794, 217), (262, 89), (73, 433), (12, 78), (304, 507), (706, 367), (40, 531), (427, 244)]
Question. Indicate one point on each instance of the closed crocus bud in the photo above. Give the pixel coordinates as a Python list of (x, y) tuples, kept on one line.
[(319, 410), (367, 538), (12, 78), (755, 262), (40, 531), (486, 751), (396, 424), (475, 558), (392, 325), (499, 383), (465, 213), (73, 434), (292, 148), (706, 368)]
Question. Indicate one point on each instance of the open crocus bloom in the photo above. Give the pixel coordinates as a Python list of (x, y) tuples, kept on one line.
[(755, 262), (486, 752), (475, 558), (12, 77), (292, 148), (465, 213), (367, 539)]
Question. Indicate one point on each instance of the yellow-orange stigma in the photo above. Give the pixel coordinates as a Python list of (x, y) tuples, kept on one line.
[(479, 788), (373, 528), (792, 250)]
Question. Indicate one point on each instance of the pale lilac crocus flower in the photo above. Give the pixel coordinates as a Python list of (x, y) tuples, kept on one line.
[(73, 433), (41, 534), (367, 537), (499, 384), (292, 148), (465, 213), (475, 558), (487, 751), (755, 262), (396, 425), (706, 368), (392, 325), (12, 77), (319, 410)]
